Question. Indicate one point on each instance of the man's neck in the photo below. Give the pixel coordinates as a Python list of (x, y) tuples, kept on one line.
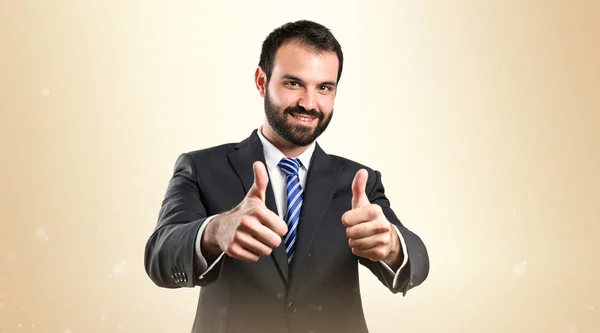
[(288, 149)]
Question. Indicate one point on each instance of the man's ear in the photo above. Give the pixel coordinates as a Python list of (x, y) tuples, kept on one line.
[(260, 79)]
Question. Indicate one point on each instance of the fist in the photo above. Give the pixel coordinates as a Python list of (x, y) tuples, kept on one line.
[(369, 232), (250, 230)]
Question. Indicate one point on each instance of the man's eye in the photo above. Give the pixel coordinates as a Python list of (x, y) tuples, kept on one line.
[(328, 88), (292, 84)]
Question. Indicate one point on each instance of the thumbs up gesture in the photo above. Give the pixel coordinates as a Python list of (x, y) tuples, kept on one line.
[(370, 234), (249, 230)]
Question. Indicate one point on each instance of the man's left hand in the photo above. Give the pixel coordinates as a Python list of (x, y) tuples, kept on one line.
[(370, 234)]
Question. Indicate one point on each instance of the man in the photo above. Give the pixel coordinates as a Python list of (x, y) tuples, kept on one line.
[(272, 228)]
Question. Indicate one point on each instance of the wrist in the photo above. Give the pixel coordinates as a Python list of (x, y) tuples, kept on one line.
[(208, 242), (394, 257)]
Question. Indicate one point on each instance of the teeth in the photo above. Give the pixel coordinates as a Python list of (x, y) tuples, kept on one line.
[(303, 118)]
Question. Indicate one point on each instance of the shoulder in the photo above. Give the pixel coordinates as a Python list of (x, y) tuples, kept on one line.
[(350, 165), (208, 153), (374, 188), (204, 158)]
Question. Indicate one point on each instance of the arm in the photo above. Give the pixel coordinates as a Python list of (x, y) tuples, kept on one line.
[(393, 267), (415, 267), (169, 257), (208, 265)]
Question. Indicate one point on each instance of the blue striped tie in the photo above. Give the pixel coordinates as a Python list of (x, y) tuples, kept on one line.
[(290, 167)]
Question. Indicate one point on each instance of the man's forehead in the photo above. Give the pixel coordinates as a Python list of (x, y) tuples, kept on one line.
[(298, 60)]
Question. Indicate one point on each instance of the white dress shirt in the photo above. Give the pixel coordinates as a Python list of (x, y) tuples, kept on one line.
[(277, 178)]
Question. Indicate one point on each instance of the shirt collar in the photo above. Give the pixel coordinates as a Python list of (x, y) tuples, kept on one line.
[(273, 155)]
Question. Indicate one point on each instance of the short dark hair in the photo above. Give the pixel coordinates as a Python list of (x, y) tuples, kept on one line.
[(313, 35)]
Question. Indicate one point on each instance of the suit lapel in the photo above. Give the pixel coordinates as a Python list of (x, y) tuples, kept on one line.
[(320, 184), (246, 153)]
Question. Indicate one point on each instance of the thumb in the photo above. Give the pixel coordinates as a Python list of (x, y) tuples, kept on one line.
[(359, 197), (261, 180)]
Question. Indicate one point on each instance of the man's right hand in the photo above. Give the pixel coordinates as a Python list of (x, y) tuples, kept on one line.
[(248, 231)]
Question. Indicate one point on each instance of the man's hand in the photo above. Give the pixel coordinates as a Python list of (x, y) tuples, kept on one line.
[(249, 230), (370, 234)]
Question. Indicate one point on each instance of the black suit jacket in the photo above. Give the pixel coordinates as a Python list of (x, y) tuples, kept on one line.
[(318, 292)]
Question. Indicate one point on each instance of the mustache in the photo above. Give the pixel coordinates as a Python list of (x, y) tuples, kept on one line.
[(298, 110)]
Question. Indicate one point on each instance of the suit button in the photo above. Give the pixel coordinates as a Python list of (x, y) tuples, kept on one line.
[(292, 307)]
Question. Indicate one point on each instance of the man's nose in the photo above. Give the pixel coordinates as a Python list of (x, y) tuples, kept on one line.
[(308, 100)]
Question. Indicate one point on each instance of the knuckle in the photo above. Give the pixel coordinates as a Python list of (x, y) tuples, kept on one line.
[(256, 211), (244, 221), (231, 250), (349, 232), (276, 241), (251, 227), (386, 239), (278, 230), (375, 210), (237, 237), (383, 227), (345, 219)]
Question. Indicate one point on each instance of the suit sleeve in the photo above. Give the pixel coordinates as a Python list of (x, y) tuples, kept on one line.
[(416, 269), (169, 257)]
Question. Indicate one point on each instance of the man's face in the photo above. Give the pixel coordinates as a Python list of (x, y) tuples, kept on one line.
[(300, 94)]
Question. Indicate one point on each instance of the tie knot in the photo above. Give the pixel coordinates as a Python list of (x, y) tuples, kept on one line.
[(289, 165)]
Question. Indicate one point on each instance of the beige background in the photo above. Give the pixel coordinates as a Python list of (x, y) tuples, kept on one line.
[(484, 118)]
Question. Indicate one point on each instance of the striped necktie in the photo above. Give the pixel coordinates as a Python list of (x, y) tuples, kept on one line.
[(290, 167)]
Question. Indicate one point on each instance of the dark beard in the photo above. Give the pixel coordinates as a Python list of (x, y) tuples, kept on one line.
[(297, 135)]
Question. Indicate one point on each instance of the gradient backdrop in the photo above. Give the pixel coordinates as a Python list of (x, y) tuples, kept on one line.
[(489, 111)]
